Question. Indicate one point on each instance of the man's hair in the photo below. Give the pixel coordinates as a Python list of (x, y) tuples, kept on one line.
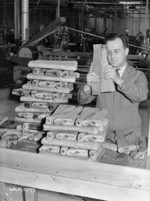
[(125, 39)]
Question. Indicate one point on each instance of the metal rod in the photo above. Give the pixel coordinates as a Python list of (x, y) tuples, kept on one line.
[(17, 19), (146, 14), (140, 18), (58, 9), (107, 3), (86, 33)]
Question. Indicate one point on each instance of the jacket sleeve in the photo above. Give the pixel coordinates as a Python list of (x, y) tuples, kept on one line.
[(85, 98), (135, 87)]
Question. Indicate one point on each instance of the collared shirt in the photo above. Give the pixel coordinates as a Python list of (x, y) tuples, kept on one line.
[(121, 70)]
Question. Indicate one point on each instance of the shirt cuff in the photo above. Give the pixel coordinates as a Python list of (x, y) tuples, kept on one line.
[(120, 82)]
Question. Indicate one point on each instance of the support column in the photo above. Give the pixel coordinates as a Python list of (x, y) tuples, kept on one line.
[(17, 21), (147, 15), (58, 9), (25, 21)]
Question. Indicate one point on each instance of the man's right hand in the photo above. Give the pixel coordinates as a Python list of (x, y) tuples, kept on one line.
[(87, 89), (92, 77)]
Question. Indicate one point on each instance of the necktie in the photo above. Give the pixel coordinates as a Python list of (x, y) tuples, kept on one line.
[(118, 72)]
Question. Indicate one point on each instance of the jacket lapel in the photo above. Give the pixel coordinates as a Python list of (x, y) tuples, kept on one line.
[(126, 72)]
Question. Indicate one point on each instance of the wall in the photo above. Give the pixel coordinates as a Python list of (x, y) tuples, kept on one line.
[(133, 22), (118, 24)]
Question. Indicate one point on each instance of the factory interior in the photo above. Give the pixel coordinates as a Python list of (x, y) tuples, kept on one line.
[(37, 163)]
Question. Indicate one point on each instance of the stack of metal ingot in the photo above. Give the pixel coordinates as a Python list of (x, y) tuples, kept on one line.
[(75, 131), (45, 116), (50, 83)]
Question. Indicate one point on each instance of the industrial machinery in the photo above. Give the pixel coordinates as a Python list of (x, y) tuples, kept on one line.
[(31, 50)]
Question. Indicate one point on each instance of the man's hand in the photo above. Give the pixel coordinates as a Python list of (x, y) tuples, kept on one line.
[(92, 77), (87, 89), (110, 73)]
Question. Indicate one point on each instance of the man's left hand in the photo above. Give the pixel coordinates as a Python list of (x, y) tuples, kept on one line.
[(110, 73)]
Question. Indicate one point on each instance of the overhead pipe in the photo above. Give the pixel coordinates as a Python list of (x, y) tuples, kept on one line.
[(107, 3), (58, 9), (146, 14), (25, 20), (5, 14), (17, 20), (4, 23)]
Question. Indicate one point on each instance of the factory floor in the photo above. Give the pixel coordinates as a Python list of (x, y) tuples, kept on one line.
[(7, 109), (7, 105)]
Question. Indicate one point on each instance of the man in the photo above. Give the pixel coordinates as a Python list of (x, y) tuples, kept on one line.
[(124, 127)]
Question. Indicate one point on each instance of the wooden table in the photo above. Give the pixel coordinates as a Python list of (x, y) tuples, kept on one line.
[(74, 176)]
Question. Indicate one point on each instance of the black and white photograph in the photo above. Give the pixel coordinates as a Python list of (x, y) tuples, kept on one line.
[(74, 100)]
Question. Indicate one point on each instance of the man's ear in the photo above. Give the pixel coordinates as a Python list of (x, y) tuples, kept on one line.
[(127, 51)]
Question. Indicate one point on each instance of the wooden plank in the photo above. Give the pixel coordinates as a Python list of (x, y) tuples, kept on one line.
[(72, 186), (120, 176), (74, 177)]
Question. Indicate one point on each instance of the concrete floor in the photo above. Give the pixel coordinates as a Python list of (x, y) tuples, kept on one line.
[(7, 106)]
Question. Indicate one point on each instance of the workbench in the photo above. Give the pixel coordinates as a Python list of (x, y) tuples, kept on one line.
[(28, 172), (74, 176)]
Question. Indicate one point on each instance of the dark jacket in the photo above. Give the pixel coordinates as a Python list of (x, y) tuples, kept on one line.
[(123, 104)]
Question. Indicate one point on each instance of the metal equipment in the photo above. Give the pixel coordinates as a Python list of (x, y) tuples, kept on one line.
[(29, 50)]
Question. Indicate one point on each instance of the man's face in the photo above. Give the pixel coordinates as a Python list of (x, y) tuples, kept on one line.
[(116, 53)]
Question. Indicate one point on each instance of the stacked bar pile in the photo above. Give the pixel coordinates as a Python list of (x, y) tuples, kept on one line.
[(45, 115), (75, 131), (49, 84)]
